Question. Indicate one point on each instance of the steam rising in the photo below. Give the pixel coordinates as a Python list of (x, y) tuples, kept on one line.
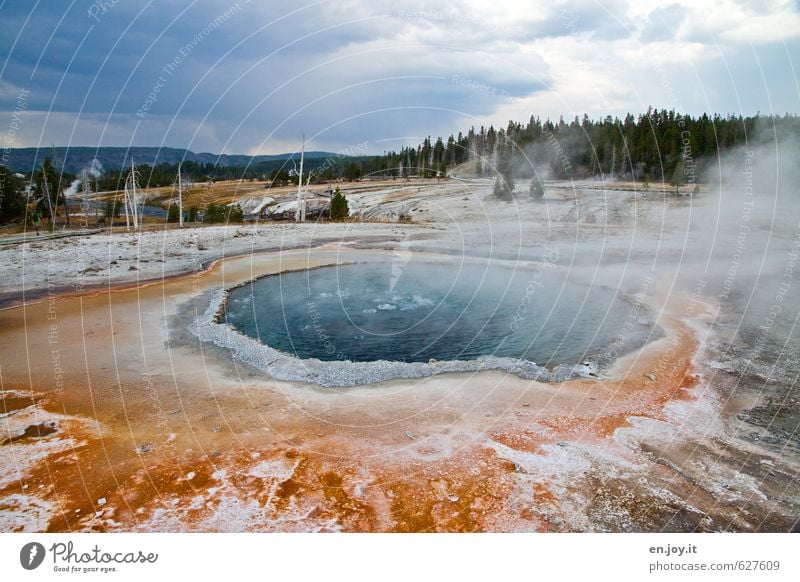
[(93, 170)]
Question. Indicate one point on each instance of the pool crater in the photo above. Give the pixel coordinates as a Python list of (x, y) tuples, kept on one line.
[(465, 317)]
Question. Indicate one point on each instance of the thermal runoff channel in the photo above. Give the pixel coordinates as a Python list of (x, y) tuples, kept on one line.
[(422, 310)]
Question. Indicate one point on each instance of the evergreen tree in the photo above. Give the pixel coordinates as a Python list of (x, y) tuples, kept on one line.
[(236, 214), (339, 207), (352, 172), (111, 210), (12, 201), (678, 177), (504, 181), (215, 213), (537, 189)]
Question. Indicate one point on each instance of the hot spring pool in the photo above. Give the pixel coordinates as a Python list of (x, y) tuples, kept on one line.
[(423, 311)]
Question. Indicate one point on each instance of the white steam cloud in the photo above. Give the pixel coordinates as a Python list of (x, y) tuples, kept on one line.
[(93, 170)]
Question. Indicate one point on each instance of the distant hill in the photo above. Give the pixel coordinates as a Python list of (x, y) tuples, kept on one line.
[(74, 159)]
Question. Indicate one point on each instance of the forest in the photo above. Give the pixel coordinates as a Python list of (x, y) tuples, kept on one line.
[(658, 145), (653, 146)]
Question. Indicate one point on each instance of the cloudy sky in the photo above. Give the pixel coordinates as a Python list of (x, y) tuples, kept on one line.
[(250, 76)]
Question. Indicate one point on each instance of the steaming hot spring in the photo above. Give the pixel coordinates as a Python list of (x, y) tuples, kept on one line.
[(550, 375), (403, 311)]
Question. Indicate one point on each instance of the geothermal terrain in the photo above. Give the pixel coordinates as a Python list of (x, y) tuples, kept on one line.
[(127, 407)]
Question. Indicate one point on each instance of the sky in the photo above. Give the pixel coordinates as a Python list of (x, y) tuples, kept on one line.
[(252, 77)]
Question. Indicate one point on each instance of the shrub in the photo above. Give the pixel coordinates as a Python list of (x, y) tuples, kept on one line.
[(537, 190), (235, 214), (12, 201), (339, 207), (215, 213)]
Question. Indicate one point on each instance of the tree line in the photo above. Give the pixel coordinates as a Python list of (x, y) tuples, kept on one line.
[(658, 145), (653, 146)]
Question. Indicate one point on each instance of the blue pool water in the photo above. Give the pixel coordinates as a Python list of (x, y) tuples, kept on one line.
[(419, 311)]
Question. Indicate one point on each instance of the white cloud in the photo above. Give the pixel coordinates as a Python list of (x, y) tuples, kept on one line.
[(475, 63)]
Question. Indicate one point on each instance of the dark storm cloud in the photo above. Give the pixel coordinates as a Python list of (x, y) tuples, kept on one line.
[(219, 63), (242, 76)]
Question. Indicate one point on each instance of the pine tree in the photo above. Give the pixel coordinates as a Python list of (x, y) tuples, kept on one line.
[(339, 207), (12, 202), (504, 181), (537, 189), (215, 213), (678, 178), (235, 214), (111, 210), (352, 172)]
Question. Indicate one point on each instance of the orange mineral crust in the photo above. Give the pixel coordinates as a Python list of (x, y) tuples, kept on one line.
[(114, 421)]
